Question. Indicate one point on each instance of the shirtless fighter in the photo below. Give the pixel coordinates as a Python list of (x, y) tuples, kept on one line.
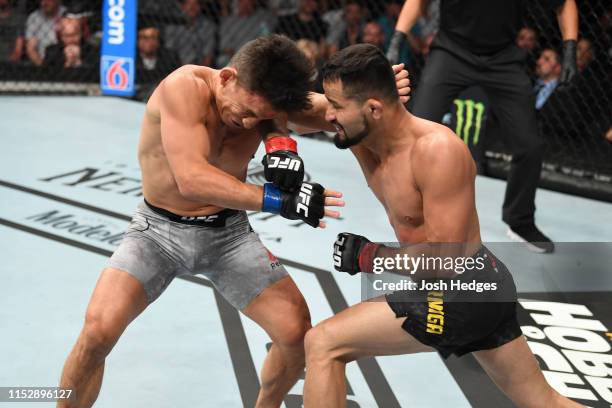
[(199, 132), (423, 175)]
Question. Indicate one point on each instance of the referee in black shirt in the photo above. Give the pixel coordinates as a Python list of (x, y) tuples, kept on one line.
[(475, 45)]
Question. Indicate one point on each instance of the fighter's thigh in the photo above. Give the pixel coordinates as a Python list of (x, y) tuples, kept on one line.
[(117, 299), (366, 329), (281, 311), (516, 371)]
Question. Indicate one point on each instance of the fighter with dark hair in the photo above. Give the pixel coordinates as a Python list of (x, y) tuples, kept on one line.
[(423, 174), (200, 130)]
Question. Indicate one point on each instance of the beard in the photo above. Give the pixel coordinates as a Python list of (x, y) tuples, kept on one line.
[(351, 141)]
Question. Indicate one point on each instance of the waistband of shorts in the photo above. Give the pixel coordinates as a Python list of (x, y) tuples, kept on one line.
[(216, 220)]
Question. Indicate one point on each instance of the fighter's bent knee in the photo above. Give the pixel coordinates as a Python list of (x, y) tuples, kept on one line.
[(292, 332), (99, 334), (321, 343)]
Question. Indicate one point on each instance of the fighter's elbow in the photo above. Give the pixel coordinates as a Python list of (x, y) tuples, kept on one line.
[(191, 189)]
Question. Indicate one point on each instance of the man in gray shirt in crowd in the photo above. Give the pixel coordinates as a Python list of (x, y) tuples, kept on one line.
[(40, 29), (195, 40)]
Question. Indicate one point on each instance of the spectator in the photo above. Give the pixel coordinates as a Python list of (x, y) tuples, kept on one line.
[(306, 23), (11, 33), (527, 39), (153, 62), (41, 29), (71, 51), (387, 22), (195, 40), (246, 24), (349, 31), (608, 135), (548, 71), (584, 54), (373, 34), (313, 52)]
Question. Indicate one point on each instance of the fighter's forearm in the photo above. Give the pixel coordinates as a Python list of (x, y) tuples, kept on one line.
[(411, 10), (215, 187), (312, 119), (567, 17)]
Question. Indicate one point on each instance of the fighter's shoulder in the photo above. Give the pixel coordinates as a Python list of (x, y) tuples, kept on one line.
[(187, 84), (439, 144)]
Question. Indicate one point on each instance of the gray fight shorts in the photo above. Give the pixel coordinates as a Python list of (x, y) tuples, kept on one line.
[(159, 246)]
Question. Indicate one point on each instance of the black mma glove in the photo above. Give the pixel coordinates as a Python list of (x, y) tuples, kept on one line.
[(395, 45), (306, 204), (568, 65), (282, 165), (354, 253)]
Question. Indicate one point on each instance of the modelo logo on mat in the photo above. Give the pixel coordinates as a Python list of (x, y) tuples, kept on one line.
[(117, 73), (569, 334)]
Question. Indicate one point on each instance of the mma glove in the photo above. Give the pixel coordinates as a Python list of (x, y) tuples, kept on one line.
[(354, 253), (568, 66), (395, 45), (306, 204), (282, 165)]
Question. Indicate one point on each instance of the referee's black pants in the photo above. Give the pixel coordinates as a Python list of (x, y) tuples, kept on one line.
[(450, 69)]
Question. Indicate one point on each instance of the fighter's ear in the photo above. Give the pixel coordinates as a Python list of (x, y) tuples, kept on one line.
[(227, 74), (375, 108)]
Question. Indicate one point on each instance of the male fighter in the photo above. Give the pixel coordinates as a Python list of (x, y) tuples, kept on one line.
[(424, 177), (198, 134)]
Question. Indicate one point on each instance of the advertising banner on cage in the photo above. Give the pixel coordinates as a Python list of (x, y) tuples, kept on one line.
[(118, 58)]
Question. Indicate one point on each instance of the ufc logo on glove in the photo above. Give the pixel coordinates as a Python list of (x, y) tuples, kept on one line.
[(287, 163), (305, 194)]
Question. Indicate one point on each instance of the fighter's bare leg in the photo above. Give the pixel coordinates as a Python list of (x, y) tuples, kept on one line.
[(116, 300), (282, 312), (516, 372), (366, 329)]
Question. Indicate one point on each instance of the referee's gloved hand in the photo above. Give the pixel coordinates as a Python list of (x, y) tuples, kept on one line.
[(568, 65), (354, 253), (395, 45)]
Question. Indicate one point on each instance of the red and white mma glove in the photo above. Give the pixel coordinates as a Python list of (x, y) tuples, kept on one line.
[(282, 165), (354, 253)]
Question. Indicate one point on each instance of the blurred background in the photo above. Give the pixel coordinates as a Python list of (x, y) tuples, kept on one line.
[(52, 47)]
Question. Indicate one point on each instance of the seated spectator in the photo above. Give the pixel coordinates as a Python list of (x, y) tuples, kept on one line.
[(195, 40), (584, 54), (41, 28), (11, 33), (246, 24), (153, 62), (387, 22), (349, 30), (313, 52), (527, 39), (373, 34), (306, 23), (548, 71), (72, 51)]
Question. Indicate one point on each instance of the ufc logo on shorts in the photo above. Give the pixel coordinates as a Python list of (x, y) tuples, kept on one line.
[(203, 218), (288, 163), (338, 252), (305, 194)]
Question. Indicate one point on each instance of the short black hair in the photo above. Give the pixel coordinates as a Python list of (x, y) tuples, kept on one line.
[(364, 72), (275, 68)]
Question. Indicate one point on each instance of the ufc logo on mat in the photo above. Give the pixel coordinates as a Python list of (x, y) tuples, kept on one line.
[(305, 194), (337, 252), (288, 163)]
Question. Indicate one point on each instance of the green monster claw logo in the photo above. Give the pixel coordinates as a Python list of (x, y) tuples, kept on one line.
[(465, 119)]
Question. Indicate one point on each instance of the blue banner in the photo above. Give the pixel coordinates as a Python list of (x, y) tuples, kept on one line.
[(118, 59)]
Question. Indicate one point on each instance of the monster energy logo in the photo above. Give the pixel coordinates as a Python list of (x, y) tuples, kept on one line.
[(466, 118)]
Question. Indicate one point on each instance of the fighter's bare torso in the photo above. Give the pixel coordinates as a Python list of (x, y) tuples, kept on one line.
[(229, 149), (397, 187)]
